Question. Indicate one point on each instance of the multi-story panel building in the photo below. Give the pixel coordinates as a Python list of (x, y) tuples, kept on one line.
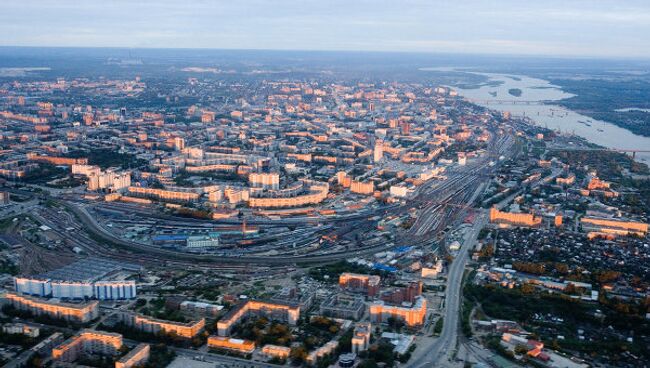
[(226, 343), (276, 351), (400, 295), (361, 337), (412, 316), (57, 160), (90, 342), (200, 308), (317, 192), (154, 325), (164, 195), (368, 284), (111, 290), (81, 312), (343, 306), (517, 219), (362, 188), (264, 180), (613, 226), (103, 290), (322, 351), (135, 358), (275, 311)]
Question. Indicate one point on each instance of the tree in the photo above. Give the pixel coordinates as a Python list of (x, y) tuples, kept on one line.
[(345, 342), (520, 349), (368, 363), (298, 355), (528, 288)]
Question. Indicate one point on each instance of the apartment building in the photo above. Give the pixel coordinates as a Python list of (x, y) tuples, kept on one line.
[(274, 311), (76, 312), (88, 342)]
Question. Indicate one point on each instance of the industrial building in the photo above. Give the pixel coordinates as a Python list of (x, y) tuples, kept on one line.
[(202, 241)]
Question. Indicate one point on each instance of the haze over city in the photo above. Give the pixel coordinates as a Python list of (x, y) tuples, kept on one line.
[(327, 184), (552, 28)]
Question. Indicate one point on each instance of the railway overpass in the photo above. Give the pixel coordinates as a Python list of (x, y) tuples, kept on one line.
[(633, 151), (505, 102)]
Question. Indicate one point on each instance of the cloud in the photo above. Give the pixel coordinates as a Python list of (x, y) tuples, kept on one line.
[(550, 27)]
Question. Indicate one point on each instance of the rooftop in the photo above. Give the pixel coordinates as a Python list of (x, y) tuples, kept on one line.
[(88, 270)]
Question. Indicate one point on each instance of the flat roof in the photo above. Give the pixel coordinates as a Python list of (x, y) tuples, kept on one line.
[(182, 362), (87, 269)]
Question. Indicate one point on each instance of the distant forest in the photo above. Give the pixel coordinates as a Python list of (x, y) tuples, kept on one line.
[(601, 98)]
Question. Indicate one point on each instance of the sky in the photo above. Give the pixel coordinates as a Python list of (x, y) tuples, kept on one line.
[(576, 28)]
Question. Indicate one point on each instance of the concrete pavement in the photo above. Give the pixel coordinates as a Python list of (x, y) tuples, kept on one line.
[(440, 351)]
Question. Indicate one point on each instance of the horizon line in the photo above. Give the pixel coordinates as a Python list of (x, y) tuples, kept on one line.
[(440, 53)]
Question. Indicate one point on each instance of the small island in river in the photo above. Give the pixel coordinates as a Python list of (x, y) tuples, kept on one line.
[(515, 92)]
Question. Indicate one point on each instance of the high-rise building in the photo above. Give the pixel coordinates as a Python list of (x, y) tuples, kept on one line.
[(361, 337), (368, 284), (264, 180), (412, 316), (378, 152)]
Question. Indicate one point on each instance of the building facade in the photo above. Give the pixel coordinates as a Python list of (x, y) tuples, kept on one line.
[(81, 312), (368, 284), (135, 358), (153, 325), (274, 311), (102, 290), (412, 316), (88, 342), (226, 343)]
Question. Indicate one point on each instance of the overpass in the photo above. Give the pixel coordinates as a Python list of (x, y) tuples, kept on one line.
[(505, 102)]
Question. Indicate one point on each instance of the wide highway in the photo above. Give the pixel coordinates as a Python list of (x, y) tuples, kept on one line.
[(439, 352)]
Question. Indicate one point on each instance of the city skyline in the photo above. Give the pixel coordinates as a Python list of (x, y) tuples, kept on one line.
[(341, 184), (577, 29)]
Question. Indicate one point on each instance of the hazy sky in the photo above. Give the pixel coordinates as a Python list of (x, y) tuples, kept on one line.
[(609, 28)]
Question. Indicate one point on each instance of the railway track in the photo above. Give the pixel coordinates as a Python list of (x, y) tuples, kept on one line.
[(143, 251)]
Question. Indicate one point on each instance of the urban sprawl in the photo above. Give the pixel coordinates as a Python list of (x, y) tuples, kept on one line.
[(251, 222)]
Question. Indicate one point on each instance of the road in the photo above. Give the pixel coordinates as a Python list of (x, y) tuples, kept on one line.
[(456, 193), (439, 352), (457, 190), (220, 360)]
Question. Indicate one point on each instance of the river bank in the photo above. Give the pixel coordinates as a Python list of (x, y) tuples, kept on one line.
[(538, 101)]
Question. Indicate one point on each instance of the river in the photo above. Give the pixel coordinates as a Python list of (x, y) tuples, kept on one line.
[(536, 102)]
